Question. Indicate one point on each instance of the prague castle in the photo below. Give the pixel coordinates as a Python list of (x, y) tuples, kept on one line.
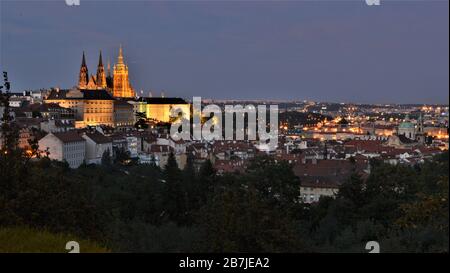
[(105, 99), (118, 84)]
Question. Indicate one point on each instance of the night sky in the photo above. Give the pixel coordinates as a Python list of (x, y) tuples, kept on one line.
[(341, 51)]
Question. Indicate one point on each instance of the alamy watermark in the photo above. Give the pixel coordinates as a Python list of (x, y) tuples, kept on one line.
[(73, 246), (207, 123)]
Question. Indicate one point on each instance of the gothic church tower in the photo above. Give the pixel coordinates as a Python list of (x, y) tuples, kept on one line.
[(101, 76), (84, 75)]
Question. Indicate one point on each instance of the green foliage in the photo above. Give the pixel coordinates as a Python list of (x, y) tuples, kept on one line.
[(106, 158), (238, 220), (121, 156), (274, 181), (404, 208)]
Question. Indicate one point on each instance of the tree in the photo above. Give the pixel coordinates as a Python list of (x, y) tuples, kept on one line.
[(189, 187), (106, 158), (12, 159), (121, 155), (275, 181), (207, 175), (236, 219), (174, 197)]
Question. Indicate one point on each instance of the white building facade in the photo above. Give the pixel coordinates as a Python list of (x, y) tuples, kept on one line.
[(67, 146)]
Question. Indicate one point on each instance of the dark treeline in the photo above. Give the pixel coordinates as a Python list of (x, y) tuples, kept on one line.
[(143, 208), (303, 119)]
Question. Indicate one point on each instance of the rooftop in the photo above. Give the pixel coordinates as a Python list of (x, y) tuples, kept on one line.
[(87, 94), (161, 100), (70, 136), (99, 138)]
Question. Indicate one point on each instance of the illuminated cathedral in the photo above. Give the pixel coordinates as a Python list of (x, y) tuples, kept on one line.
[(105, 99), (118, 84)]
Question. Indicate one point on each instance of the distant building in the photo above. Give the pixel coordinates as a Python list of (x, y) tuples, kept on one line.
[(91, 107), (408, 134), (17, 102), (334, 171), (401, 142), (407, 128), (161, 154), (47, 110), (57, 125), (133, 145), (123, 114), (313, 188), (67, 146), (96, 145), (159, 108)]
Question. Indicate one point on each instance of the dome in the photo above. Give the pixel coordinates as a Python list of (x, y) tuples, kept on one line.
[(406, 125)]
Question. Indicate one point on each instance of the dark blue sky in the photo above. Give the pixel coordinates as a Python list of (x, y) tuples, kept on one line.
[(342, 51)]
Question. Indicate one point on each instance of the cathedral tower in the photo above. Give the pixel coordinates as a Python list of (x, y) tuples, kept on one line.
[(101, 77), (84, 76), (121, 83)]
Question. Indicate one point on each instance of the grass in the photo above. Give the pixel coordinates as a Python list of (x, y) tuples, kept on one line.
[(27, 240)]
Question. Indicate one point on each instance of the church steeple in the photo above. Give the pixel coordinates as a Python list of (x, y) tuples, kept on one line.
[(83, 61), (100, 62), (83, 78), (120, 58), (101, 77), (420, 133)]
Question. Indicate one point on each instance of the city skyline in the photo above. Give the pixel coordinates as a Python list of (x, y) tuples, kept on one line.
[(341, 52), (212, 128)]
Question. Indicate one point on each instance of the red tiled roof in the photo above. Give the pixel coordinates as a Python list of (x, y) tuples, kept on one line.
[(319, 182), (365, 145), (99, 138), (70, 136), (338, 169)]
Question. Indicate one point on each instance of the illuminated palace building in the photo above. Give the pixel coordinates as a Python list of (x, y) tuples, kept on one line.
[(105, 99)]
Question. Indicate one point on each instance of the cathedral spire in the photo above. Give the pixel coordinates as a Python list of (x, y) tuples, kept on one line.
[(120, 58), (100, 62), (101, 77), (83, 78), (83, 61)]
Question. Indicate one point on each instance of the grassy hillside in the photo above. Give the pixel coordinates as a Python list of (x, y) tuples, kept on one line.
[(26, 240)]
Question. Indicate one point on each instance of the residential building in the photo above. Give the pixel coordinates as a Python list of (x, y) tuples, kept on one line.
[(67, 146)]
